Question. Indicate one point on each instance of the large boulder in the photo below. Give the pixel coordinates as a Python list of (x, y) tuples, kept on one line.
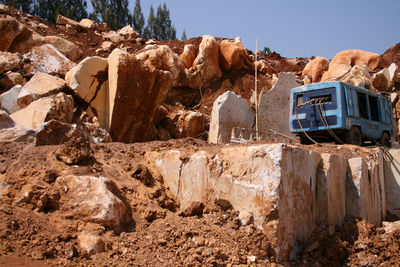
[(128, 33), (384, 80), (190, 123), (343, 62), (229, 110), (112, 36), (16, 37), (11, 79), (134, 96), (358, 75), (233, 55), (9, 61), (12, 132), (188, 55), (392, 182), (92, 199), (8, 100), (88, 23), (10, 28), (61, 20), (206, 65), (89, 81), (59, 107), (365, 191), (55, 132), (69, 49), (273, 107), (48, 59), (163, 58), (40, 85), (315, 69)]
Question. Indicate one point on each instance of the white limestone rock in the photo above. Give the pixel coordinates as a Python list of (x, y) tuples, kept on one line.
[(8, 100), (92, 199), (274, 106), (229, 110)]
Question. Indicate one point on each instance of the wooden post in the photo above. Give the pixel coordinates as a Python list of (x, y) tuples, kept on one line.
[(255, 89)]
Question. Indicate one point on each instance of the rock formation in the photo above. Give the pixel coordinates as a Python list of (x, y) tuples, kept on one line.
[(92, 198), (205, 67), (233, 55), (343, 62), (229, 110), (288, 190), (40, 85), (315, 69), (384, 80), (273, 107), (58, 107), (48, 59)]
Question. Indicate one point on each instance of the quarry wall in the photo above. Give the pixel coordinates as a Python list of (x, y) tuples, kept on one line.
[(286, 190)]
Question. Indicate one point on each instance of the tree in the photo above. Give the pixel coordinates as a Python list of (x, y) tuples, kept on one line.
[(164, 30), (160, 26), (184, 38), (113, 12), (101, 10), (50, 9), (26, 6), (267, 50), (148, 31), (138, 18), (75, 9)]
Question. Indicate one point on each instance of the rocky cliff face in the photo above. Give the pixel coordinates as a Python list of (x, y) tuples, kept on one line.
[(287, 191)]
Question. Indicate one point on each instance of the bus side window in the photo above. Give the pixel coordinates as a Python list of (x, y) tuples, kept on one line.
[(373, 107), (362, 105)]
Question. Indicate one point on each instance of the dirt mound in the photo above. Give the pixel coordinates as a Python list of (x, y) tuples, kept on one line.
[(356, 243)]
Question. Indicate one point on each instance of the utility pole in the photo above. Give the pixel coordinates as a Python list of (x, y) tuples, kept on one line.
[(255, 89)]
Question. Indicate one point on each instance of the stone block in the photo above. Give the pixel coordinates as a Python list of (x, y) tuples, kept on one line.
[(274, 106), (60, 107), (40, 85), (89, 81), (392, 181), (8, 100), (48, 59), (229, 110), (92, 199)]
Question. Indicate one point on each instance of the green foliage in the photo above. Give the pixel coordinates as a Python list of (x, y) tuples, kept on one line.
[(113, 12), (160, 26), (138, 18), (26, 6), (50, 9), (148, 31), (184, 37), (267, 50)]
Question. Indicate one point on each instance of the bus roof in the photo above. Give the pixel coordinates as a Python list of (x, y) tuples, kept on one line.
[(322, 85)]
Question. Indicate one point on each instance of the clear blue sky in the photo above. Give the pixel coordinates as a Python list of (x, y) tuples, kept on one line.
[(293, 28)]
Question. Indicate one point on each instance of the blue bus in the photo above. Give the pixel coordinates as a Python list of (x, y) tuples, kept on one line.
[(341, 112)]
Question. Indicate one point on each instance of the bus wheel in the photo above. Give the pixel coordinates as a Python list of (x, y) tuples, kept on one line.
[(353, 136), (385, 139)]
